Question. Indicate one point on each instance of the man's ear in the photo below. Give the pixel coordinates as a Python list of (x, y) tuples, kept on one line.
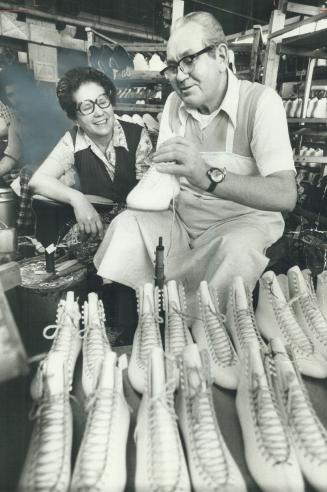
[(222, 54)]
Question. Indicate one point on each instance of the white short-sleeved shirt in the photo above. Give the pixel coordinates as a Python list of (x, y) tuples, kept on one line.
[(269, 144)]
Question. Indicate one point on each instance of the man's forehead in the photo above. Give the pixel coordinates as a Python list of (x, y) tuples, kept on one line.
[(185, 40)]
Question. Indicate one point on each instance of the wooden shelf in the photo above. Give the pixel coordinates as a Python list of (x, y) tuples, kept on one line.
[(146, 47), (142, 78), (308, 120), (309, 169), (307, 158), (139, 108), (132, 100), (308, 42)]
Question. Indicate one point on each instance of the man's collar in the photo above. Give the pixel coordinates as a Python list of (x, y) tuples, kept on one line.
[(83, 141), (229, 103)]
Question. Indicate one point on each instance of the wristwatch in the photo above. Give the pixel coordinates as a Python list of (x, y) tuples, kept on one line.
[(216, 176)]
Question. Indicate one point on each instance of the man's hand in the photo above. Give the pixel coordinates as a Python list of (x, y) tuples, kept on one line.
[(87, 217), (183, 159)]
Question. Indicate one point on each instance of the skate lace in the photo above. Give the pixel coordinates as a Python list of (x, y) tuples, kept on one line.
[(314, 317), (207, 438), (246, 330), (63, 335), (95, 340), (101, 408), (269, 427), (309, 431), (217, 336), (177, 331), (288, 324), (165, 457), (49, 443), (149, 336)]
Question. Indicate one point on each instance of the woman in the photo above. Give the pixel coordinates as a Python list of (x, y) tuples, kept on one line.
[(99, 156)]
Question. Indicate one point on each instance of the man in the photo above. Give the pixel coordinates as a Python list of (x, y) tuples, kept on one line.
[(234, 160)]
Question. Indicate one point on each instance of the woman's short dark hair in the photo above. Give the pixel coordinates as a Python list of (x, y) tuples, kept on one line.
[(71, 82)]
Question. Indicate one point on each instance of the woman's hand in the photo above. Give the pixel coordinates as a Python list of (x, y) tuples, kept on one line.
[(179, 156), (87, 217)]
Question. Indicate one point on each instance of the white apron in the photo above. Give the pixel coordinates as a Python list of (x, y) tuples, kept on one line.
[(208, 238)]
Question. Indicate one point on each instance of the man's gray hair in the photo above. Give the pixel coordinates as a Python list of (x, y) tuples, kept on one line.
[(213, 31)]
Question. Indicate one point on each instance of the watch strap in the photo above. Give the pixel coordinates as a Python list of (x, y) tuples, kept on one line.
[(213, 183), (211, 187)]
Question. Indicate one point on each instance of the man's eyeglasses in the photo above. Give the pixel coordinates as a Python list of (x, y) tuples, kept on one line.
[(186, 64), (87, 107)]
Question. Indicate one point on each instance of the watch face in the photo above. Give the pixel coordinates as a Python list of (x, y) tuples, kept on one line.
[(216, 175)]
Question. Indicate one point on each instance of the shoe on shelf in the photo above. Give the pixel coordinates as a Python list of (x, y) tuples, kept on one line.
[(211, 465), (293, 108), (311, 106), (160, 461), (155, 63), (146, 337), (66, 338), (101, 459), (154, 191), (140, 63), (47, 465), (306, 310), (126, 117), (240, 317), (151, 124), (299, 108), (137, 119), (275, 318), (210, 333), (269, 453), (95, 342), (320, 110), (308, 434)]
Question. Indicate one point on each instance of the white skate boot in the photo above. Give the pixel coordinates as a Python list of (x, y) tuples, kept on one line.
[(275, 318), (307, 311), (95, 342), (309, 435), (160, 461), (66, 339), (147, 336), (240, 317), (101, 460), (47, 465), (210, 334), (269, 454), (154, 191), (210, 462)]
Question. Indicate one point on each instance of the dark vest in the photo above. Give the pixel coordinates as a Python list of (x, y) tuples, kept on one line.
[(93, 175)]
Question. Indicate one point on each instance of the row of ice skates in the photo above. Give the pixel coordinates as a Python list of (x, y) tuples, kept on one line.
[(283, 437)]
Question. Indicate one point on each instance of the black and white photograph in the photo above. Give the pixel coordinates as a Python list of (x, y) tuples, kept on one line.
[(163, 246)]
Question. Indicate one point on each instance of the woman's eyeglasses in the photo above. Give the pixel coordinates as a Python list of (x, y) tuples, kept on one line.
[(88, 106)]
